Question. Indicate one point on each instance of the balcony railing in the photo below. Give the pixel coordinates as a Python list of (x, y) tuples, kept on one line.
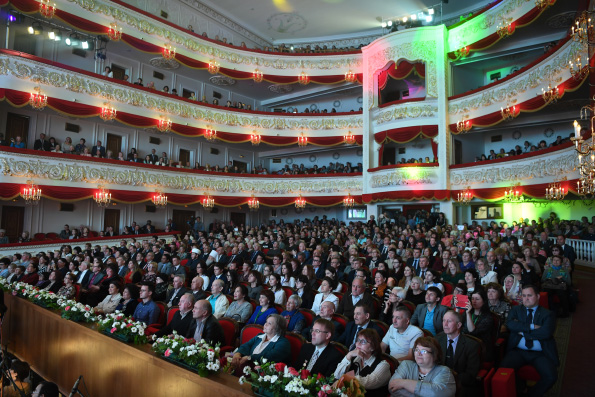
[(584, 249)]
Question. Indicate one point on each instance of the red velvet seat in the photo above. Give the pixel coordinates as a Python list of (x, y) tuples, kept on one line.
[(309, 315), (393, 362), (231, 332), (152, 328), (297, 342), (250, 331), (409, 305), (448, 287), (288, 291), (341, 319), (382, 325), (77, 294)]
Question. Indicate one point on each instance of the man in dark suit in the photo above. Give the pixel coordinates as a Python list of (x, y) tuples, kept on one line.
[(320, 357), (98, 150), (414, 262), (218, 274), (96, 276), (84, 274), (205, 325), (196, 288), (175, 294), (319, 269), (567, 250), (42, 143), (327, 310), (182, 318), (424, 265), (361, 320), (432, 307), (153, 157), (461, 353), (531, 340), (358, 294)]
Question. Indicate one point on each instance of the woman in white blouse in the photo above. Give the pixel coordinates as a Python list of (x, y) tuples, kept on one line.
[(486, 276), (287, 280), (275, 284), (108, 305), (366, 363), (325, 294)]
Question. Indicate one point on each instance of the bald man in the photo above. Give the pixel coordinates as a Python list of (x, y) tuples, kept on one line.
[(358, 294), (204, 325)]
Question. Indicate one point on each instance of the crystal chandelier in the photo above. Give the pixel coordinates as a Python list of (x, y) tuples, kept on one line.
[(213, 67), (108, 113), (210, 134), (555, 191), (103, 197), (300, 202), (551, 95), (509, 113), (302, 140), (579, 71), (164, 125), (586, 155), (350, 77), (255, 138), (159, 199), (349, 138), (253, 203), (464, 125), (513, 195), (349, 201), (303, 78), (38, 101), (46, 9), (114, 32), (505, 28), (208, 202), (31, 194), (465, 196), (257, 76), (169, 52)]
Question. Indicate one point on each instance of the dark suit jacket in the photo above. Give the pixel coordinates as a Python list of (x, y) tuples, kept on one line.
[(212, 332), (347, 337), (326, 364), (307, 299), (419, 316), (178, 324), (466, 361), (569, 253), (96, 281), (38, 145), (320, 273), (199, 295), (277, 351), (85, 279), (222, 278), (346, 307), (418, 272), (154, 158), (410, 263), (517, 322), (177, 296), (98, 151)]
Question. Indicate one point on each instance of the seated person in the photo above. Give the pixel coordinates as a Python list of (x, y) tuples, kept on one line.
[(19, 371), (182, 318), (327, 310), (205, 325), (129, 300), (401, 337), (479, 321), (365, 364), (46, 389), (424, 376), (361, 320), (266, 308), (271, 345), (318, 357), (295, 320), (112, 300), (147, 311), (461, 353), (429, 315), (240, 309), (531, 340)]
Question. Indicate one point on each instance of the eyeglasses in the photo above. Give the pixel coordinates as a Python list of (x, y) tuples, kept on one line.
[(423, 352), (318, 331), (362, 341)]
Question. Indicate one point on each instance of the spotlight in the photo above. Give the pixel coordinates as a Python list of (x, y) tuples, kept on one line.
[(384, 25), (413, 17), (11, 18), (31, 30), (68, 41), (85, 45), (404, 19), (429, 18), (51, 35), (431, 11), (57, 36), (389, 23)]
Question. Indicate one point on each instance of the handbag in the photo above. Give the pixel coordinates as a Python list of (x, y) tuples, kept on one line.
[(554, 283)]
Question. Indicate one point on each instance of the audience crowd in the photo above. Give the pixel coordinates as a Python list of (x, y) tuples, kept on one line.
[(528, 147), (412, 287)]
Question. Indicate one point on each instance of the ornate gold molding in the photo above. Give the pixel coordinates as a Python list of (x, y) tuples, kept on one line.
[(83, 172), (404, 111), (404, 177)]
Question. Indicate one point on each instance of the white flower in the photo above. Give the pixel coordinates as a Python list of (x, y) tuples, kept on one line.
[(247, 370), (242, 380), (267, 378), (264, 360), (274, 378), (134, 329), (141, 332)]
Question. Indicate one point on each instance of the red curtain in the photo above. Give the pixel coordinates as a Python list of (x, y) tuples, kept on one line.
[(534, 191), (406, 134), (403, 69)]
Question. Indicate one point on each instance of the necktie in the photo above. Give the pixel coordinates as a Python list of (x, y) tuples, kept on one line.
[(385, 250), (313, 360), (423, 275), (529, 342), (415, 263), (450, 354), (359, 328)]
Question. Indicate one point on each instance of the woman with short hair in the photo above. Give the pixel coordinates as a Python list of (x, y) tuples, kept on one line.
[(240, 309), (112, 300), (296, 321)]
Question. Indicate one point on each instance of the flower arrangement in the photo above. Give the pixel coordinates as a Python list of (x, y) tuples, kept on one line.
[(45, 299), (198, 356), (123, 328), (75, 311), (277, 379)]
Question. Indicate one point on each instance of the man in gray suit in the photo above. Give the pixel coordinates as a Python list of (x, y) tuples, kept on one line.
[(429, 315)]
